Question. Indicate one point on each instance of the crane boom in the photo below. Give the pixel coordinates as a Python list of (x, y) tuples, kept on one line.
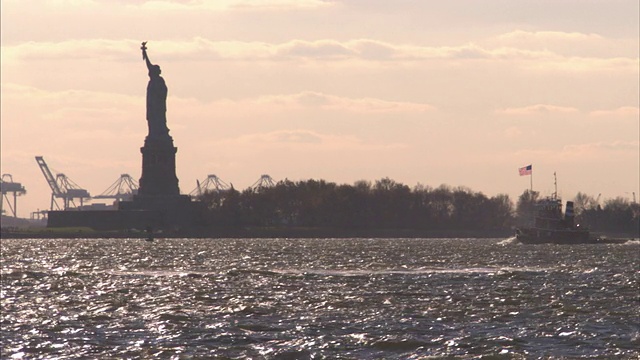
[(48, 176), (62, 187)]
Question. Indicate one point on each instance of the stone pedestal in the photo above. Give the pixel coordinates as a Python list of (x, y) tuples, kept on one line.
[(158, 193), (158, 168)]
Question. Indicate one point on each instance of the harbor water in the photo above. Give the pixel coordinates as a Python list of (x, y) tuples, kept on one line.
[(318, 299)]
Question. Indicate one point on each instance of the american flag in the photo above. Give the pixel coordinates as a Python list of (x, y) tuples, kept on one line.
[(525, 170)]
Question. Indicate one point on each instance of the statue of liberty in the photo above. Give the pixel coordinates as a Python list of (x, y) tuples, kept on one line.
[(156, 99)]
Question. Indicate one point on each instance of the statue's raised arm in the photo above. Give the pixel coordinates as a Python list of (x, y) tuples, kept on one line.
[(145, 57)]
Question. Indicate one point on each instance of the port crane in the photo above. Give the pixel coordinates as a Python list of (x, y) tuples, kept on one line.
[(7, 186), (122, 189), (265, 181), (211, 183), (62, 187)]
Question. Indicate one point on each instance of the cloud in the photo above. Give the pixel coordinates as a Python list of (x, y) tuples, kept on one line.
[(69, 107), (624, 111), (197, 5), (44, 111), (586, 152), (575, 64), (512, 133), (321, 49), (305, 101), (230, 5), (17, 92), (324, 52), (374, 50), (537, 110), (631, 147), (93, 49), (283, 137), (310, 99), (585, 46), (518, 37), (305, 139), (69, 3)]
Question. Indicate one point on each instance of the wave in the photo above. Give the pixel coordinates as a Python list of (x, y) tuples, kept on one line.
[(332, 272), (417, 271), (22, 274), (161, 273)]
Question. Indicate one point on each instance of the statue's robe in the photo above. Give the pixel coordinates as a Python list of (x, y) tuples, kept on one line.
[(157, 107)]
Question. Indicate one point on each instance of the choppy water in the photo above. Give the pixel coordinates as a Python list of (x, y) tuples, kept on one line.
[(321, 298)]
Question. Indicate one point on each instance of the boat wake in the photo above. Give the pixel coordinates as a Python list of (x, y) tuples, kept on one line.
[(633, 242), (508, 241)]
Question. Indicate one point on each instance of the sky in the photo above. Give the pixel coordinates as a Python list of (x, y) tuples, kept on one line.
[(459, 92)]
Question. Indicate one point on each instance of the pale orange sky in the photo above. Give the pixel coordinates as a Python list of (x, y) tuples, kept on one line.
[(431, 92)]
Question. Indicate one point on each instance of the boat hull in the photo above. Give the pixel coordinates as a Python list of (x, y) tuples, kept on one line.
[(554, 236)]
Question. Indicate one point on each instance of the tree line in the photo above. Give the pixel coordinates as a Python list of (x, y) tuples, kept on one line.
[(387, 204), (615, 215)]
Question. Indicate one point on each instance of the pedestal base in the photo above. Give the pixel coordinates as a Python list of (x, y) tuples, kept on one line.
[(159, 168), (176, 212), (168, 213)]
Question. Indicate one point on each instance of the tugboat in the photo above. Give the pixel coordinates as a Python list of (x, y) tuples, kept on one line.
[(550, 226)]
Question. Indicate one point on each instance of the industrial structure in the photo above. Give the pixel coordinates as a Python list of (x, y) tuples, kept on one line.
[(211, 184), (122, 189), (62, 188), (39, 214), (7, 186), (264, 182)]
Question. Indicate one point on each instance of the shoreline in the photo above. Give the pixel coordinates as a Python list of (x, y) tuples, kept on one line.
[(273, 233), (253, 233)]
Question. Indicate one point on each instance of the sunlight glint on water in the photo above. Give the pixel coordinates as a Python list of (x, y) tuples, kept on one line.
[(317, 298)]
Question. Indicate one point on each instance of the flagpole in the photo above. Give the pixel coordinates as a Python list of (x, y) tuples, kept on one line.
[(531, 179)]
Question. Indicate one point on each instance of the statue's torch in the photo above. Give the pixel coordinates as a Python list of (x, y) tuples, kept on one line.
[(144, 49)]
